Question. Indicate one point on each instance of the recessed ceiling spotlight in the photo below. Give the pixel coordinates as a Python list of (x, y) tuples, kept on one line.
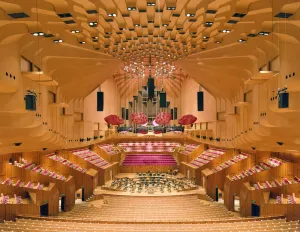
[(112, 15), (241, 40), (208, 24), (225, 31), (265, 33), (39, 33), (136, 25), (151, 4), (205, 37), (58, 41), (190, 15), (131, 8), (75, 31), (82, 42), (93, 24), (171, 8), (165, 25), (218, 42)]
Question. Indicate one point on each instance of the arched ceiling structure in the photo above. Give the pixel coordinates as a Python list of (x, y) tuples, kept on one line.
[(220, 43)]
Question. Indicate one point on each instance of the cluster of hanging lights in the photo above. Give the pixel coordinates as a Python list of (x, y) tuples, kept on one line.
[(142, 69)]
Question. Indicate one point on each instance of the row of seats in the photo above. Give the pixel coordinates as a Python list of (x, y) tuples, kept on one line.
[(276, 183), (110, 149), (20, 183), (66, 162), (10, 200), (274, 225), (38, 168), (91, 157), (230, 162), (262, 166), (188, 148), (142, 209), (207, 156)]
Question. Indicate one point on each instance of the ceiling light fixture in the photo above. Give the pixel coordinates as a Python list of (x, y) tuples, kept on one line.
[(190, 15), (241, 40), (58, 41), (208, 24), (39, 33), (75, 31), (131, 8), (112, 15), (225, 31), (93, 24), (151, 4), (265, 33)]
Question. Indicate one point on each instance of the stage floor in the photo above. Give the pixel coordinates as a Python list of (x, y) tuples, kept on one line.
[(99, 191)]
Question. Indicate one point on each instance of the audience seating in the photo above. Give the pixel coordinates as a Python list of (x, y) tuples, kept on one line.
[(207, 156), (66, 162), (110, 149), (259, 225), (266, 165), (149, 159), (91, 157), (38, 169), (230, 162), (188, 148), (276, 183), (150, 209)]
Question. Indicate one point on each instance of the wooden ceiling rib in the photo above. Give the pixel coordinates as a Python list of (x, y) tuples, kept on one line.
[(190, 37)]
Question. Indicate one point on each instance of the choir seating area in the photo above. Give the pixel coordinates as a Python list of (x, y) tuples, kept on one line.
[(263, 225), (149, 159), (149, 146)]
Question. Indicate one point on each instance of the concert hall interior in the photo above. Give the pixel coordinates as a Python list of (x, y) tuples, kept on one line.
[(149, 115)]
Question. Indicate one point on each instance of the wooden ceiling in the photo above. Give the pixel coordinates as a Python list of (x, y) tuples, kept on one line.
[(220, 43)]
